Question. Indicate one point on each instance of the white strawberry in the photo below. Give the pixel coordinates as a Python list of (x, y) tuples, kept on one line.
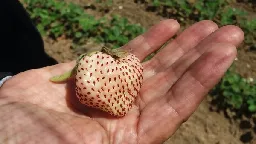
[(108, 80)]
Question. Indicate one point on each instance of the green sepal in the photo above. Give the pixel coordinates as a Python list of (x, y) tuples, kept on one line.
[(63, 77), (115, 53)]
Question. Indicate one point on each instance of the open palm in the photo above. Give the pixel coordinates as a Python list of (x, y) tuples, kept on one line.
[(176, 79)]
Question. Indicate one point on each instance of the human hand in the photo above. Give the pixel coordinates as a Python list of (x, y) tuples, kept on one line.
[(35, 110)]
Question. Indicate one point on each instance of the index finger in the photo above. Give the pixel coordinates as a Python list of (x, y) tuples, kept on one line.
[(153, 39)]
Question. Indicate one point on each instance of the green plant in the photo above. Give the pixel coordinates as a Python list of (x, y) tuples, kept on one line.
[(220, 11), (119, 31), (208, 9), (249, 27), (230, 15), (237, 92), (181, 5), (163, 3), (57, 18)]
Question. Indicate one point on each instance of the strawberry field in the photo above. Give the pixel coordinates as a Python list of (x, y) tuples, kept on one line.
[(228, 114)]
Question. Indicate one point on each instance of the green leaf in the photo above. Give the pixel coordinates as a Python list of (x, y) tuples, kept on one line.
[(228, 94), (55, 24), (40, 28), (78, 34), (235, 88), (252, 108)]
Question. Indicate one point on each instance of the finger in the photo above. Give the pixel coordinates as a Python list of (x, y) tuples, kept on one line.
[(161, 118), (228, 34), (153, 39), (186, 41)]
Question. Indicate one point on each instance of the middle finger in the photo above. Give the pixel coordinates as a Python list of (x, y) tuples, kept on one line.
[(186, 41)]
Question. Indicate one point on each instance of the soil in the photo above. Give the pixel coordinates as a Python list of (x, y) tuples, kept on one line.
[(59, 50), (246, 63), (204, 126)]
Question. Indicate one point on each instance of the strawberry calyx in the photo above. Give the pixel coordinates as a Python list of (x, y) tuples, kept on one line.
[(115, 53)]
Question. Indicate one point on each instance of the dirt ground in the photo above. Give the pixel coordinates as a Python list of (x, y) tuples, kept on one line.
[(205, 126)]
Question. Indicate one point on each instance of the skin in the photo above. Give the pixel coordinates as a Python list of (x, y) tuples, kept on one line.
[(176, 80)]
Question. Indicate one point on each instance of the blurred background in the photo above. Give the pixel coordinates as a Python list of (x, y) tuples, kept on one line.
[(226, 116)]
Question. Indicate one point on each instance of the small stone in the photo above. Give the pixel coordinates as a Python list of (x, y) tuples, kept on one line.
[(249, 66), (250, 79), (120, 7)]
